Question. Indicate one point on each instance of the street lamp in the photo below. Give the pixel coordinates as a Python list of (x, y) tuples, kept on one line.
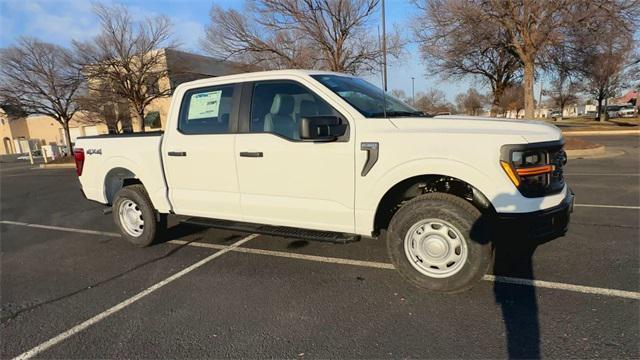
[(384, 51), (413, 91)]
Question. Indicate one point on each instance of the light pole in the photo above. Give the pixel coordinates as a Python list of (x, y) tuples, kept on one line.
[(413, 91), (384, 51)]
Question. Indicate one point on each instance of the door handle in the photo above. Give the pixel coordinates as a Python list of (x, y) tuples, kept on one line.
[(251, 154), (177, 153)]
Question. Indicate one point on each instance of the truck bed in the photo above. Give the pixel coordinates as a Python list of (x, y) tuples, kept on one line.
[(111, 158), (124, 135)]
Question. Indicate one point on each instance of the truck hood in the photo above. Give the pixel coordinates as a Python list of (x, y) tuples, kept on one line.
[(530, 130)]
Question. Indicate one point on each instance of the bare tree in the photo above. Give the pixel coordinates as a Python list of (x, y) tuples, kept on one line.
[(433, 101), (471, 102), (603, 78), (39, 78), (127, 57), (633, 71), (531, 25), (273, 34), (563, 91), (399, 94), (456, 43), (512, 100), (102, 107), (602, 52)]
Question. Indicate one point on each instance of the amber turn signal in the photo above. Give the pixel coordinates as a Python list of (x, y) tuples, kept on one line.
[(510, 173)]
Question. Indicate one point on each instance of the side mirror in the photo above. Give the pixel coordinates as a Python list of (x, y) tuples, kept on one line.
[(322, 128)]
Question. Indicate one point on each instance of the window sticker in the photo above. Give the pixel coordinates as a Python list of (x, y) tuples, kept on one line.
[(204, 105)]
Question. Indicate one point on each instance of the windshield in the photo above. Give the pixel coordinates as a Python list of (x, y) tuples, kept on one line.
[(368, 99)]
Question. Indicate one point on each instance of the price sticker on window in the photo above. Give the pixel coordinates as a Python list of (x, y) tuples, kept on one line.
[(204, 105)]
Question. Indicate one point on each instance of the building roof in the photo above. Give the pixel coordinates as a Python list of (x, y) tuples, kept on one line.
[(626, 98), (180, 61)]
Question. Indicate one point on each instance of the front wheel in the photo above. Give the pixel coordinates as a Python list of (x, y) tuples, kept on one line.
[(439, 242), (135, 216)]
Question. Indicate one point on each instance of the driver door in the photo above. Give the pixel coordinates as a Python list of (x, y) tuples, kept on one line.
[(286, 181)]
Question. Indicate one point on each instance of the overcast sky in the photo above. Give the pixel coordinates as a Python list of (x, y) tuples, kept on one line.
[(59, 21)]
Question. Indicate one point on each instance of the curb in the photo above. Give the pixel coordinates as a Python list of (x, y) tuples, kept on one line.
[(586, 152), (57, 166), (601, 132), (595, 153)]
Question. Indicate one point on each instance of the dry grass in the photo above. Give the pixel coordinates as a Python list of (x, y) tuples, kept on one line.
[(579, 144), (62, 160)]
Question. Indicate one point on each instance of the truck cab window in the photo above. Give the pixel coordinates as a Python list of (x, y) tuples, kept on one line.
[(206, 110), (278, 107)]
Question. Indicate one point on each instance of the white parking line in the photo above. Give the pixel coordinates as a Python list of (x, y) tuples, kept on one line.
[(80, 327), (59, 228), (370, 264), (568, 287), (381, 265), (608, 206)]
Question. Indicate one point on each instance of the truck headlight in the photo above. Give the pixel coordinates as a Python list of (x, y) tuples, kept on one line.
[(533, 168)]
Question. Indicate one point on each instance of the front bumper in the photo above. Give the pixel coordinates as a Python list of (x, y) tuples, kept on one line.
[(552, 222)]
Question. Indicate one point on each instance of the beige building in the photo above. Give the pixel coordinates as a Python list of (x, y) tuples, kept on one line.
[(18, 134), (44, 130)]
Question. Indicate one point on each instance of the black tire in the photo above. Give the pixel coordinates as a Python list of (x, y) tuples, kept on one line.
[(459, 213), (154, 224)]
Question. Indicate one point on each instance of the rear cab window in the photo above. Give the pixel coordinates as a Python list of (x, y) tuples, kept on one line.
[(206, 110)]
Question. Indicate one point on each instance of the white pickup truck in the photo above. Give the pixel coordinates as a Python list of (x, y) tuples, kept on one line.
[(327, 156)]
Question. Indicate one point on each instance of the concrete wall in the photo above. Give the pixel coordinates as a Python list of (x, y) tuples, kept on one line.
[(44, 128)]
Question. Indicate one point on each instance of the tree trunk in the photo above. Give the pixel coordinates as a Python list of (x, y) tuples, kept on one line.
[(140, 115), (497, 94), (604, 116), (528, 89), (67, 136), (599, 108)]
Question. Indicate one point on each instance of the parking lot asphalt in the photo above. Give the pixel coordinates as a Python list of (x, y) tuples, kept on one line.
[(275, 297)]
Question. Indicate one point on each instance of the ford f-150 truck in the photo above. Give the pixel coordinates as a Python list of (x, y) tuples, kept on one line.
[(327, 156)]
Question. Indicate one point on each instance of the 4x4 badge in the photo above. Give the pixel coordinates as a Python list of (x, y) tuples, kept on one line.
[(94, 151)]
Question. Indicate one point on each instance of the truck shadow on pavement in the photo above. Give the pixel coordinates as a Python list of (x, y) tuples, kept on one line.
[(518, 303), (513, 257)]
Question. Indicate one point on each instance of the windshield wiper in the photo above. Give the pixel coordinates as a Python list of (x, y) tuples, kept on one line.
[(399, 113)]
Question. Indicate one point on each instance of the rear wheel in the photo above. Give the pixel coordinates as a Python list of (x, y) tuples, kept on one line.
[(135, 216), (438, 242)]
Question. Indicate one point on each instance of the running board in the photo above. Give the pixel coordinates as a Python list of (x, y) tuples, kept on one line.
[(289, 232)]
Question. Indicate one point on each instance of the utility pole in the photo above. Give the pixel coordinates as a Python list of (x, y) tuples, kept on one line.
[(384, 51), (540, 97), (413, 91)]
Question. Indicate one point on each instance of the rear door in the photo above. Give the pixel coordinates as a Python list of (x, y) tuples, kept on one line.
[(286, 181), (199, 157)]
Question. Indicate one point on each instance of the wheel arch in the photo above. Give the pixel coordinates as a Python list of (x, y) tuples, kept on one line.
[(117, 178), (407, 189)]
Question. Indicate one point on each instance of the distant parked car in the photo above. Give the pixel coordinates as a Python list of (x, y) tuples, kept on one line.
[(627, 111), (555, 114), (34, 153), (612, 111)]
